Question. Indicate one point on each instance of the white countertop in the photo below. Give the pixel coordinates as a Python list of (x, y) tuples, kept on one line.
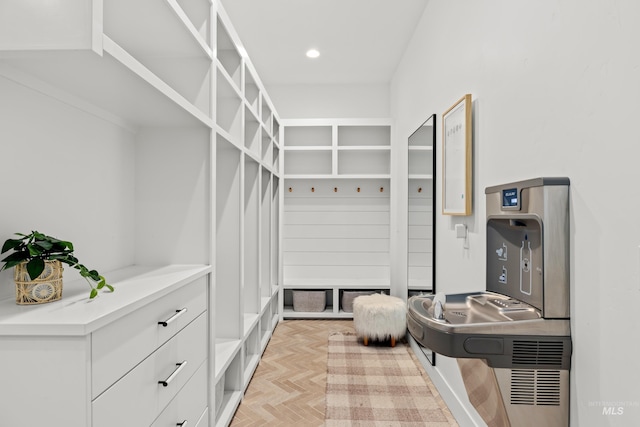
[(76, 315)]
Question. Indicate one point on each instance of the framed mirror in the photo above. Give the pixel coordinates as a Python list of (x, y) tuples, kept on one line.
[(421, 254)]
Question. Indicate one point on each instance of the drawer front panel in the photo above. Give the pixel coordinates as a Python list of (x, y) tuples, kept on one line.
[(121, 345), (204, 419), (189, 404), (138, 397)]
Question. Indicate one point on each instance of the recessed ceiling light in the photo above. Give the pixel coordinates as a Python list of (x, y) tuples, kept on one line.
[(313, 53)]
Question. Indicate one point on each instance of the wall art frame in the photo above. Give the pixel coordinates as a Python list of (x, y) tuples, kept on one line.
[(457, 158)]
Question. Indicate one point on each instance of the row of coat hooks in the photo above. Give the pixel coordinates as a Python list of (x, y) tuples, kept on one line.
[(335, 189)]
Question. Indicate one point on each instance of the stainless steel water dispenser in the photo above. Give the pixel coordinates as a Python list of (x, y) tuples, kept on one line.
[(518, 330)]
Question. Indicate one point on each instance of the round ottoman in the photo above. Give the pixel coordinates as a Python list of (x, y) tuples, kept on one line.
[(379, 317)]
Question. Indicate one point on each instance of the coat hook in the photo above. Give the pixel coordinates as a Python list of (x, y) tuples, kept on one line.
[(335, 189), (290, 189), (313, 189), (381, 189), (420, 190), (358, 189)]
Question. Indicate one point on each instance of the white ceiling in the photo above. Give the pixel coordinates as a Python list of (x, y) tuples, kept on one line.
[(360, 41)]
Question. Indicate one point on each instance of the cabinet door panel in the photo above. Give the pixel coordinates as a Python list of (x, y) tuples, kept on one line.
[(44, 381)]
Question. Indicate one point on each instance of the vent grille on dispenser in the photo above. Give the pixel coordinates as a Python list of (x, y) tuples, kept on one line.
[(548, 353), (535, 387)]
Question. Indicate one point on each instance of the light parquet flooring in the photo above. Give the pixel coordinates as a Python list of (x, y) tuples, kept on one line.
[(288, 387)]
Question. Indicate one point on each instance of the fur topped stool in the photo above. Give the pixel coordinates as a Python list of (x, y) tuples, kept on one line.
[(379, 317)]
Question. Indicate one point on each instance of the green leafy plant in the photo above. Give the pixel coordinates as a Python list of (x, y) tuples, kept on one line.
[(36, 248)]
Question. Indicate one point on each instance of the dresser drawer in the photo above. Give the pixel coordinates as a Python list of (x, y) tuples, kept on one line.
[(139, 397), (187, 407), (121, 345)]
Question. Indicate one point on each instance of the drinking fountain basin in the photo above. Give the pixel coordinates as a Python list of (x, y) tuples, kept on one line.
[(475, 308), (487, 325)]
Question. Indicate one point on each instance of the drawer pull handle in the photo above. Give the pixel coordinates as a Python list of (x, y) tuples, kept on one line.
[(174, 317), (183, 424), (173, 374)]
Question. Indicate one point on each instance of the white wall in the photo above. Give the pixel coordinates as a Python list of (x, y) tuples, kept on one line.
[(555, 86), (65, 173), (331, 101)]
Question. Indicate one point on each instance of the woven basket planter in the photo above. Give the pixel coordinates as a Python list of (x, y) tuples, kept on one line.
[(45, 288)]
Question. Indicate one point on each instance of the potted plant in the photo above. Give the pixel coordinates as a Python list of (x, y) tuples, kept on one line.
[(38, 274)]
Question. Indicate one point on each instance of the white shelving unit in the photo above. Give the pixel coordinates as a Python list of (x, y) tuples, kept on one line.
[(337, 149), (247, 191), (336, 207), (181, 143), (421, 204)]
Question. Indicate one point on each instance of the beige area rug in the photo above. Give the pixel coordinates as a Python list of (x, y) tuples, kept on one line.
[(378, 385)]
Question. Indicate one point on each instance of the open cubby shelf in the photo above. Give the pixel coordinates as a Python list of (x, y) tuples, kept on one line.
[(334, 299)]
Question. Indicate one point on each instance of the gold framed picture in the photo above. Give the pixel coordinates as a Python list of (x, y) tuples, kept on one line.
[(456, 158)]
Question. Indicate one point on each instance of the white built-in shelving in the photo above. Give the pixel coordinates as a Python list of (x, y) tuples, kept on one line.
[(248, 272), (190, 180), (336, 207), (344, 148), (108, 58), (247, 194)]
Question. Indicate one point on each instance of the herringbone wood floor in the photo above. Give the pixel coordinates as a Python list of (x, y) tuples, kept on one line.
[(288, 387)]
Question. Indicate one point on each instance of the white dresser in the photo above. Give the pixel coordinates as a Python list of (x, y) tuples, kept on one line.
[(136, 357)]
